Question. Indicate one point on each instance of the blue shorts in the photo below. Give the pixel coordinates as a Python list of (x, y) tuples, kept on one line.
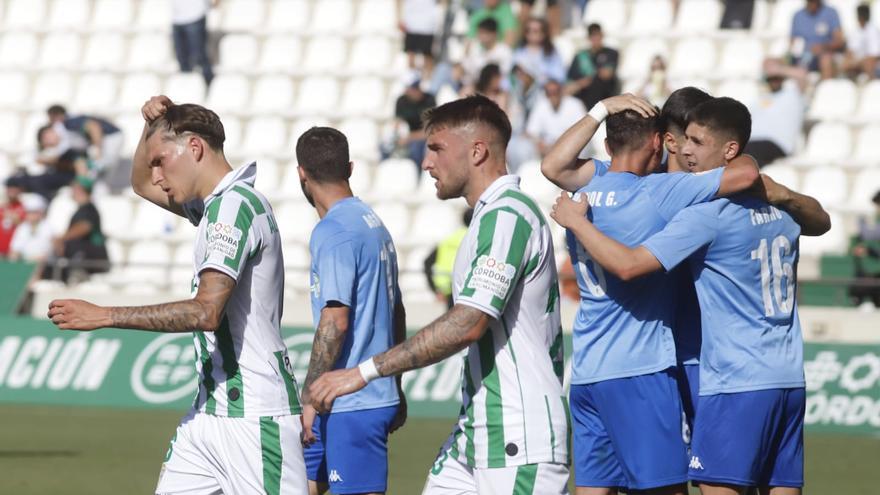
[(351, 453), (628, 432), (689, 388), (750, 438)]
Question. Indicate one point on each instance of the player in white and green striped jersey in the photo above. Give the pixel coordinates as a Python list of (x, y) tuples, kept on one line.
[(511, 436), (243, 432)]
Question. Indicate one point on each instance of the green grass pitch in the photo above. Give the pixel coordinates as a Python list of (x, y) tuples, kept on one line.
[(73, 451)]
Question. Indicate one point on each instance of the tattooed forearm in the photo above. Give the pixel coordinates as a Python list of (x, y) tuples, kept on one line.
[(445, 336), (203, 313), (328, 342)]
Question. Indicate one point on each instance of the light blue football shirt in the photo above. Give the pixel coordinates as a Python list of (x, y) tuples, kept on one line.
[(624, 329), (354, 263), (744, 264)]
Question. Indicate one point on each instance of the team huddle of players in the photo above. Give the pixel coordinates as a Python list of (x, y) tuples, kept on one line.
[(687, 359)]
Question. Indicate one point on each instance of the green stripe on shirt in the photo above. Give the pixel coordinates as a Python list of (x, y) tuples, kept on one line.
[(235, 405), (494, 404), (484, 246), (243, 221), (252, 198), (207, 370), (289, 385), (529, 202)]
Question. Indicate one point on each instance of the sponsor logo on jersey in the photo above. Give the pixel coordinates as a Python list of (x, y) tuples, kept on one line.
[(492, 275), (695, 463), (164, 371), (223, 238)]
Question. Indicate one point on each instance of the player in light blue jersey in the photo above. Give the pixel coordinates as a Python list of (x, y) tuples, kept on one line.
[(744, 251), (624, 353), (357, 309)]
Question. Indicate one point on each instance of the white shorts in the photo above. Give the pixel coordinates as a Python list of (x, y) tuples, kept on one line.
[(219, 455), (450, 477)]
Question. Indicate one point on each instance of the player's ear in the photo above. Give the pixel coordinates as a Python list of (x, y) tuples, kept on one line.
[(670, 142), (302, 173), (731, 150), (197, 147), (350, 170), (479, 152)]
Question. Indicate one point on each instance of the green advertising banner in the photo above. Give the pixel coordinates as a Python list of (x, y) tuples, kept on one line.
[(40, 364)]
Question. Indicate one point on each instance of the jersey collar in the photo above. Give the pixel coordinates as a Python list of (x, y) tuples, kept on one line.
[(495, 189), (246, 174)]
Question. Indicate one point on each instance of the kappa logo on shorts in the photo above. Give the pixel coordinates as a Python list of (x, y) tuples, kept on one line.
[(334, 477), (695, 463)]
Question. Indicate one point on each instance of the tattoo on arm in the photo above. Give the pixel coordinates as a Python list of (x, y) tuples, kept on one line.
[(448, 334), (327, 345), (203, 313)]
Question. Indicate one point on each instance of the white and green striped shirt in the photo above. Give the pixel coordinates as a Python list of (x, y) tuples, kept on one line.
[(514, 411), (243, 367)]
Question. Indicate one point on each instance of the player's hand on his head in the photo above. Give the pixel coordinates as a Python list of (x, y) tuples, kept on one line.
[(400, 417), (155, 107), (568, 211), (75, 314), (308, 419), (627, 101), (333, 384)]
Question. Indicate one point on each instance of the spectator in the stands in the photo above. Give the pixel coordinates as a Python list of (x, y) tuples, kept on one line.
[(536, 49), (508, 27), (11, 214), (524, 93), (190, 34), (33, 238), (418, 21), (484, 50), (61, 164), (552, 116), (863, 47), (440, 262), (592, 75), (656, 88), (491, 85), (100, 139), (778, 113), (408, 110), (816, 36), (867, 291), (552, 14), (83, 244)]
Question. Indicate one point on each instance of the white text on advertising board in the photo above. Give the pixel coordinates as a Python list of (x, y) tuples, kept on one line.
[(80, 363)]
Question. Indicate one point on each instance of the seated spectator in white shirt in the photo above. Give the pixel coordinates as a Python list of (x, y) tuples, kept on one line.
[(552, 116), (778, 114), (485, 50), (32, 240), (863, 47)]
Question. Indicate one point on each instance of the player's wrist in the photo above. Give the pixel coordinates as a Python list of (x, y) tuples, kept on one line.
[(368, 370), (599, 112)]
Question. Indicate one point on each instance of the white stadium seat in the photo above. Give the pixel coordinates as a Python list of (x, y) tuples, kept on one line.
[(10, 125), (693, 57), (325, 53), (52, 87), (610, 14), (296, 255), (396, 178), (229, 92), (296, 219), (865, 186), (760, 16), (31, 123), (148, 262), (846, 10), (828, 142), (264, 135), (24, 13), (364, 96), (636, 58), (243, 15), (186, 87), (434, 221), (867, 152), (95, 92), (273, 94), (112, 14), (137, 88), (361, 179), (268, 175), (232, 129), (16, 88), (60, 211), (869, 104), (396, 217), (649, 16), (363, 137), (781, 14), (60, 50), (318, 95), (67, 14), (744, 90), (698, 16), (827, 184), (288, 16), (833, 242), (834, 99), (116, 214), (150, 222), (150, 51), (18, 49), (238, 52), (104, 51), (372, 54), (535, 185), (786, 175), (280, 53), (741, 57), (376, 16), (154, 15), (132, 125), (332, 16)]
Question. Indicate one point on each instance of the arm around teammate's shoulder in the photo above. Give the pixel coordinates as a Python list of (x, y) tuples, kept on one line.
[(739, 175), (805, 210)]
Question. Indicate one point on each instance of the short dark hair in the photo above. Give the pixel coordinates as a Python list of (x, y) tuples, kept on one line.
[(593, 29), (191, 118), (40, 132), (863, 11), (323, 153), (476, 108), (488, 24), (673, 116), (876, 198), (628, 130), (726, 117), (56, 110), (487, 74)]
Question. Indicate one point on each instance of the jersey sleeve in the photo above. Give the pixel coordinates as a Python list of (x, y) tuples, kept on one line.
[(231, 236), (336, 269), (691, 229), (673, 192), (503, 241)]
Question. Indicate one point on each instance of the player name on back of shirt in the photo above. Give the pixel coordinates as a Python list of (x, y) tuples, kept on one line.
[(763, 215)]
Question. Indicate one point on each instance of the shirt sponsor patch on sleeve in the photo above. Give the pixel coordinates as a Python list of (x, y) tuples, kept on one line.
[(492, 276), (223, 238)]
